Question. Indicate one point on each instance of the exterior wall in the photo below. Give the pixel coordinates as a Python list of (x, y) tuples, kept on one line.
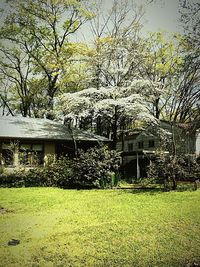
[(185, 143), (47, 151), (135, 142), (198, 145), (134, 158)]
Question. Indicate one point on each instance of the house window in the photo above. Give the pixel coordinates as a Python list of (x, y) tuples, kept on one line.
[(7, 154), (141, 144), (151, 143), (31, 154), (130, 147)]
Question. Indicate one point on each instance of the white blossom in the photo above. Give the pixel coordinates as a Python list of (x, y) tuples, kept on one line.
[(127, 102)]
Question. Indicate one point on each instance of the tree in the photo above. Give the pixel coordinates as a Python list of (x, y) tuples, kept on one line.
[(190, 18), (41, 29), (116, 106), (116, 43), (4, 99), (168, 62), (162, 61), (15, 67)]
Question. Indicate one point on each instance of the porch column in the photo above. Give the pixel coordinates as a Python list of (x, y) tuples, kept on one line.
[(138, 166), (16, 157)]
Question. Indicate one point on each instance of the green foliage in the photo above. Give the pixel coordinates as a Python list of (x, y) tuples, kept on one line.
[(168, 169), (34, 36), (12, 179), (164, 56), (56, 173), (93, 168), (145, 182)]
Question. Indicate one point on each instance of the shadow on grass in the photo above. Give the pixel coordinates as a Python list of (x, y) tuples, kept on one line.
[(149, 191), (154, 191)]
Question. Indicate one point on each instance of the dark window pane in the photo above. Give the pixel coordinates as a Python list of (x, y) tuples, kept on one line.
[(151, 143), (140, 144), (130, 147), (31, 154), (7, 156)]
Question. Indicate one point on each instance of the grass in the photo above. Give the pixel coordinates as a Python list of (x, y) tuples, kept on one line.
[(99, 227)]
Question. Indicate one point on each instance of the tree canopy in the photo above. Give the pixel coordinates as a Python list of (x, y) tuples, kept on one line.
[(109, 109), (106, 82)]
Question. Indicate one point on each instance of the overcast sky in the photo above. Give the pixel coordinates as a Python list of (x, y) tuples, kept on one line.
[(162, 15), (159, 15)]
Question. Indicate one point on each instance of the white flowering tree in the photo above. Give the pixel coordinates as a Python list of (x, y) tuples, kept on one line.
[(109, 109)]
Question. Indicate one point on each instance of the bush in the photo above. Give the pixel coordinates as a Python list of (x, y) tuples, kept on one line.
[(96, 167), (56, 173), (15, 179), (168, 169)]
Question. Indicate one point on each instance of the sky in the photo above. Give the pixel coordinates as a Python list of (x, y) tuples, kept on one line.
[(163, 15), (159, 15)]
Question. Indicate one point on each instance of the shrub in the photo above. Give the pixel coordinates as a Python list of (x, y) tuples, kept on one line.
[(94, 167), (168, 169), (97, 167), (57, 173), (12, 178)]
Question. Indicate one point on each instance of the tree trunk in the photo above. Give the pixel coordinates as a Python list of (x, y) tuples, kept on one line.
[(174, 183), (99, 126), (157, 111), (114, 129)]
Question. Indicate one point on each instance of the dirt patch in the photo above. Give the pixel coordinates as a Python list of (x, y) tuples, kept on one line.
[(13, 242), (4, 210)]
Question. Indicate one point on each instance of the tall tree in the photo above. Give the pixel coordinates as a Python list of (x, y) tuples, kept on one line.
[(116, 42), (42, 30), (163, 61), (15, 67), (185, 103), (116, 45)]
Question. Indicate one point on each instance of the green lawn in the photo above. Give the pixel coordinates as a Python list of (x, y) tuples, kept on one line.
[(99, 227)]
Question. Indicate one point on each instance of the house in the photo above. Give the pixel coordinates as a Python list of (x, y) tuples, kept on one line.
[(29, 142), (139, 146)]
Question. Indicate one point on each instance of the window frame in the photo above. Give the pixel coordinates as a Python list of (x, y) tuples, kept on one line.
[(130, 147), (29, 154), (151, 143), (140, 144), (4, 149)]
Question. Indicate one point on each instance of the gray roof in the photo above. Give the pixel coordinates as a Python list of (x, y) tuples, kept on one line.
[(43, 129)]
